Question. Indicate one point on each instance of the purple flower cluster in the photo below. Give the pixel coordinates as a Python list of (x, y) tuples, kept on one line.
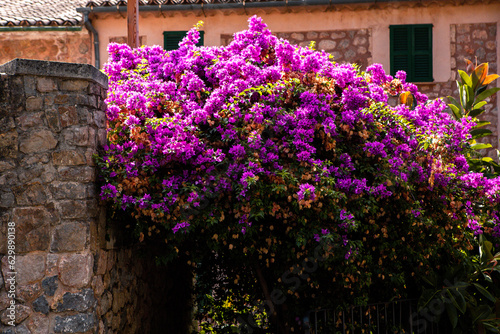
[(260, 117)]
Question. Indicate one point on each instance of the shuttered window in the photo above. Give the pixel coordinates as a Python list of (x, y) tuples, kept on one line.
[(171, 39), (411, 51)]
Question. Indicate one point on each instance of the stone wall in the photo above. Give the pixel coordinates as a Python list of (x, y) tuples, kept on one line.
[(351, 46), (72, 274), (67, 46)]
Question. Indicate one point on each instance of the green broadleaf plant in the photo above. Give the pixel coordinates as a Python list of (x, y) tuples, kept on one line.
[(473, 91)]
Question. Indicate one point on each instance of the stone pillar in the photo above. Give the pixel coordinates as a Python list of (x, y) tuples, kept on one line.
[(52, 120)]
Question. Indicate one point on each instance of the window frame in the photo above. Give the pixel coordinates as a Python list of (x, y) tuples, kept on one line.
[(412, 52), (178, 35)]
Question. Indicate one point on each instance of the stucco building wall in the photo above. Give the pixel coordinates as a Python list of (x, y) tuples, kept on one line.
[(67, 46)]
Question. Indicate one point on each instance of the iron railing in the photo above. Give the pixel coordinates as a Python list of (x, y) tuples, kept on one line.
[(399, 316)]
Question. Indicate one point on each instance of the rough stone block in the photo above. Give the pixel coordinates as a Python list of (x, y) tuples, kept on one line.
[(30, 194), (106, 302), (26, 293), (463, 39), (45, 84), (4, 300), (34, 103), (68, 158), (480, 34), (360, 41), (31, 172), (7, 200), (80, 301), (32, 228), (311, 35), (68, 190), (338, 35), (8, 144), (41, 305), (77, 209), (81, 174), (327, 45), (102, 259), (94, 89), (22, 312), (75, 323), (35, 159), (98, 285), (38, 141), (38, 324), (297, 36), (75, 270), (74, 85), (30, 268), (61, 99), (6, 165), (53, 120), (49, 285), (99, 118), (71, 236), (7, 123), (77, 136), (453, 33), (344, 44), (101, 137), (68, 115)]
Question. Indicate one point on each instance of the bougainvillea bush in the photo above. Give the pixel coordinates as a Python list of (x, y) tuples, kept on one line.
[(285, 179)]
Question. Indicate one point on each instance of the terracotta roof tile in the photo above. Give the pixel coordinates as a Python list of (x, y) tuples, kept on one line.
[(40, 12)]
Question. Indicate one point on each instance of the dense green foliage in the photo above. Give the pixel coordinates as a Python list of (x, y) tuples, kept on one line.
[(286, 180)]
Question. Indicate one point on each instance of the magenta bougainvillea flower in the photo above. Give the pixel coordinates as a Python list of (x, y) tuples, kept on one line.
[(261, 129)]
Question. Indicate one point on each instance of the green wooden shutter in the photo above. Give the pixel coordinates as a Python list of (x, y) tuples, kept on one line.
[(171, 39), (422, 53), (400, 49), (411, 51)]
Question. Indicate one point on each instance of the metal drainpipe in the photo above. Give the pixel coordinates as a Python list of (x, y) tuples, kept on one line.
[(95, 35)]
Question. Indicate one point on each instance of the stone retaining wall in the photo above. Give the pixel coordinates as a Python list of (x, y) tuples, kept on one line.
[(69, 279)]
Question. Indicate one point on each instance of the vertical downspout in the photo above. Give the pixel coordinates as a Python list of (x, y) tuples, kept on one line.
[(95, 37)]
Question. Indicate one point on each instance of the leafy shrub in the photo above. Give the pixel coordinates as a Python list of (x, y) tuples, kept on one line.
[(286, 179)]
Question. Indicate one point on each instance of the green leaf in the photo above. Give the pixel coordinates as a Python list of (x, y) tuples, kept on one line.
[(487, 93), (479, 133), (459, 301), (426, 297), (484, 292), (470, 98), (452, 314), (475, 112), (456, 111), (481, 312), (463, 96), (480, 146), (454, 102), (465, 78), (479, 105), (480, 124), (491, 328)]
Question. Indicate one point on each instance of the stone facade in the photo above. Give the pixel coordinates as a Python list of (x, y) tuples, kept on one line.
[(67, 46), (69, 279), (351, 46), (471, 41)]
